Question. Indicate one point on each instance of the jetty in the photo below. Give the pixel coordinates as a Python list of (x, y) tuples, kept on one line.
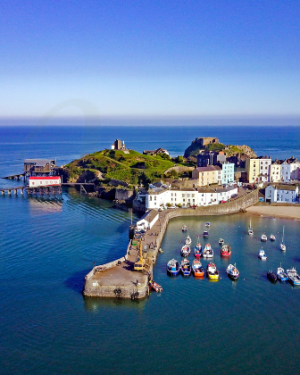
[(14, 189), (118, 279)]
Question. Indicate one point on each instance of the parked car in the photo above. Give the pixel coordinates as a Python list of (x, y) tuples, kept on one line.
[(234, 196), (222, 202)]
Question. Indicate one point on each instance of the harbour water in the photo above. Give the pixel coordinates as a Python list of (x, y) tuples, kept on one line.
[(48, 245)]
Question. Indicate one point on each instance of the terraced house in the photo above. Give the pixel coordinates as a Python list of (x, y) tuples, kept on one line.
[(206, 176)]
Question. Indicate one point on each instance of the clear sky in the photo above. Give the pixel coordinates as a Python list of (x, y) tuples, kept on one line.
[(107, 58)]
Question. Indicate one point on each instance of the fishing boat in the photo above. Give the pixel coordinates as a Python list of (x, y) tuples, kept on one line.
[(160, 250), (262, 254), (282, 245), (221, 241), (205, 234), (198, 250), (173, 267), (184, 228), (188, 240), (185, 250), (272, 277), (207, 251), (157, 288), (197, 268), (250, 230), (264, 238), (207, 224), (272, 237), (212, 272), (281, 275), (232, 272), (293, 276), (225, 251), (186, 268)]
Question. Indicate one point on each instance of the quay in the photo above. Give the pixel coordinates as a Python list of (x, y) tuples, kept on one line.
[(118, 279)]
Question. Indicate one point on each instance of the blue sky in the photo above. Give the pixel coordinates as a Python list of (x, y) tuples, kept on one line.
[(150, 59)]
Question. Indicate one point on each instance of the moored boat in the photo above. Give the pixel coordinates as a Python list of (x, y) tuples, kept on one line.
[(233, 272), (207, 224), (212, 272), (272, 237), (198, 250), (205, 234), (225, 251), (207, 251), (185, 250), (184, 228), (272, 277), (264, 238), (156, 287), (281, 275), (188, 240), (173, 267), (262, 254), (186, 268), (221, 241), (282, 245), (293, 276), (197, 268), (250, 230)]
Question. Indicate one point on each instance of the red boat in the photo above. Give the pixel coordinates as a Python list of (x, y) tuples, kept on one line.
[(156, 287), (226, 251)]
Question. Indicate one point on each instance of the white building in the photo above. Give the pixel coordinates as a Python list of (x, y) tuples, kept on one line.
[(290, 170), (148, 220), (227, 173), (282, 193), (35, 182), (157, 198), (264, 168)]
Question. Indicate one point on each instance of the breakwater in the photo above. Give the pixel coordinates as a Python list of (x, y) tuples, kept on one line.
[(118, 279)]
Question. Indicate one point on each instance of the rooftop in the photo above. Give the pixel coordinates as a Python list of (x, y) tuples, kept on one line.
[(209, 168)]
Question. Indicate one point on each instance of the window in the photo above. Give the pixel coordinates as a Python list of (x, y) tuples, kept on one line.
[(183, 200), (150, 198), (183, 195), (188, 195), (155, 198), (171, 194)]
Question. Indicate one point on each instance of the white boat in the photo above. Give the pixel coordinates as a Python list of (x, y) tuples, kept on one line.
[(221, 241), (262, 254), (282, 245), (185, 250), (232, 272), (272, 237), (264, 238), (281, 275), (207, 224), (188, 240), (208, 251), (184, 228), (250, 230), (293, 276)]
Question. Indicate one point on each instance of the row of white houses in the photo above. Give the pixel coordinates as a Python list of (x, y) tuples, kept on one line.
[(160, 197)]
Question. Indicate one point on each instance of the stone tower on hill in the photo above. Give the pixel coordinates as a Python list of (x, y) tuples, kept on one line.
[(198, 144)]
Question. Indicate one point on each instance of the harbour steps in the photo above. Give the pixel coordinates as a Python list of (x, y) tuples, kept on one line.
[(117, 279)]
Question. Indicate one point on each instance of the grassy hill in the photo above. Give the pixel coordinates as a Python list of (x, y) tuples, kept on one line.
[(132, 167)]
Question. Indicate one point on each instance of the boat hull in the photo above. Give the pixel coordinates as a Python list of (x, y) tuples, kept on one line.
[(233, 277), (272, 277), (172, 272), (212, 276)]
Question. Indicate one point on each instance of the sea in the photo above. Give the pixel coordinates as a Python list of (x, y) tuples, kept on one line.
[(48, 245)]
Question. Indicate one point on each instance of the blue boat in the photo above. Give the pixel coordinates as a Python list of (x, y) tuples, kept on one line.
[(198, 250), (186, 268), (173, 267), (281, 275), (293, 276)]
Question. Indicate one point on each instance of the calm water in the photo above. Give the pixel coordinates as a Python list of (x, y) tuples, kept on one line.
[(47, 246)]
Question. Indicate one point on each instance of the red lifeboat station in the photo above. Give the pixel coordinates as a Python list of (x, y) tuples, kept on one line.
[(35, 182)]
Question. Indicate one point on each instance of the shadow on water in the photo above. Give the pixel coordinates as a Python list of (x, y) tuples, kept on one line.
[(76, 281), (94, 304)]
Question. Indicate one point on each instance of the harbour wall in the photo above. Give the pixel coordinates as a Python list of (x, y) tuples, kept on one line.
[(115, 288)]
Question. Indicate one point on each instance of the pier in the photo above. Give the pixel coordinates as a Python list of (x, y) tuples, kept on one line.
[(117, 279), (13, 189), (15, 176)]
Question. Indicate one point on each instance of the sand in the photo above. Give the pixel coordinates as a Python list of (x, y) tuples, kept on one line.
[(288, 212)]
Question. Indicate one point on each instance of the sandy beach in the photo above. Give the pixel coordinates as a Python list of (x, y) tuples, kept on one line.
[(288, 212)]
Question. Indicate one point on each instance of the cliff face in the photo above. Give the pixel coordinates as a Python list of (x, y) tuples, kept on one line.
[(200, 143)]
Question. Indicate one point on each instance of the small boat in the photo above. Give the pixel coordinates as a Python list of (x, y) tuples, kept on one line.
[(173, 267), (207, 251), (264, 238), (225, 251), (186, 268), (272, 237), (221, 241), (250, 230), (205, 234), (281, 275), (156, 287), (160, 250), (262, 254), (272, 277), (197, 268), (198, 250), (293, 276), (207, 224), (212, 272), (282, 245), (232, 272), (188, 240), (185, 250), (184, 228)]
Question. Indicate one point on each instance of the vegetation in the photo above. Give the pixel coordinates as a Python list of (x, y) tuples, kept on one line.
[(131, 167)]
